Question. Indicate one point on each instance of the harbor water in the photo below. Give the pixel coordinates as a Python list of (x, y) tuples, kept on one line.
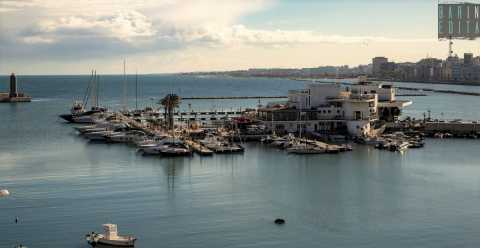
[(62, 187)]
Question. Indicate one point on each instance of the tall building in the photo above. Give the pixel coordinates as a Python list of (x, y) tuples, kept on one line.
[(470, 69), (468, 58), (451, 69), (405, 71), (429, 69), (377, 64)]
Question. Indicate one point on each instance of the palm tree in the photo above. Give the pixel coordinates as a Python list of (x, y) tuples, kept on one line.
[(169, 103)]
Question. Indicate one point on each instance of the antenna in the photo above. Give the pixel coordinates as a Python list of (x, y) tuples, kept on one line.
[(450, 46)]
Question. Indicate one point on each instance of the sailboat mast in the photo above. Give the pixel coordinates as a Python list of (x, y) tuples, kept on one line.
[(136, 90), (98, 91), (124, 86), (94, 90), (87, 92)]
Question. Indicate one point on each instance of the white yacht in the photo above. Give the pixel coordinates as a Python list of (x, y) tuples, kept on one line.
[(110, 238), (127, 137), (177, 149), (220, 146), (303, 148), (100, 136), (166, 147), (102, 126)]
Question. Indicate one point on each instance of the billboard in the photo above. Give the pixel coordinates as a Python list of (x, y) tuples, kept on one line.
[(458, 20)]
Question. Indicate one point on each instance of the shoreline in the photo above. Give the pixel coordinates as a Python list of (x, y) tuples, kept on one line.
[(369, 79)]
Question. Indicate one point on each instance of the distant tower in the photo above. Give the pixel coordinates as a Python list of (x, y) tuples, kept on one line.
[(13, 86)]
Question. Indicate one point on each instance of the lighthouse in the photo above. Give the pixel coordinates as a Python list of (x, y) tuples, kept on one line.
[(13, 95), (13, 86)]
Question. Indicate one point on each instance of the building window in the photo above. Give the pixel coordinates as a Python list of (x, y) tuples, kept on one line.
[(358, 115)]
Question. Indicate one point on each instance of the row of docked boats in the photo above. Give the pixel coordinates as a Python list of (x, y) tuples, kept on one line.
[(158, 143), (395, 142), (296, 145)]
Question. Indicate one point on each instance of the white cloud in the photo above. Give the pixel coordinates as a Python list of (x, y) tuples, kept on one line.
[(15, 5), (239, 34), (181, 21), (121, 25)]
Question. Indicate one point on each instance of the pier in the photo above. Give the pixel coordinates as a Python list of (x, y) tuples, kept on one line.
[(441, 91), (231, 97), (457, 92), (453, 127)]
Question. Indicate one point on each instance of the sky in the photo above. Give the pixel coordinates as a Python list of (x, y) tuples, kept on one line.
[(165, 36)]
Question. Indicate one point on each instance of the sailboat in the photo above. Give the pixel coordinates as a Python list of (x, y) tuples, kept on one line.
[(78, 112)]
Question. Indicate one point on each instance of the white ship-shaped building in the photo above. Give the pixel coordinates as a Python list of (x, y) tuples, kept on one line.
[(330, 108)]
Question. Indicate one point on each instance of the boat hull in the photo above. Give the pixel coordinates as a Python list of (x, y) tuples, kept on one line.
[(76, 118), (112, 243), (67, 117)]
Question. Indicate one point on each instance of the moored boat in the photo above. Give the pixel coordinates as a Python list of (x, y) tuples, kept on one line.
[(305, 149), (399, 146), (4, 192), (78, 112), (110, 238), (127, 137)]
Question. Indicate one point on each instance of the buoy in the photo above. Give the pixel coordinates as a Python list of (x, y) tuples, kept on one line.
[(4, 192), (279, 221)]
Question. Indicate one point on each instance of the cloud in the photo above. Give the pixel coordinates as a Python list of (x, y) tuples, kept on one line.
[(15, 5), (59, 29), (242, 35), (122, 25), (90, 29)]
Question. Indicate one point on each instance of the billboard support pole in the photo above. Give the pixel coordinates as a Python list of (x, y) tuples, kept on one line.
[(450, 49)]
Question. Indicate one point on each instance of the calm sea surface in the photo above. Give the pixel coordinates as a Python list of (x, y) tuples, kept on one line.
[(62, 187)]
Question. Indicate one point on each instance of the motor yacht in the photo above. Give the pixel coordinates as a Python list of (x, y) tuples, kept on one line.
[(127, 137)]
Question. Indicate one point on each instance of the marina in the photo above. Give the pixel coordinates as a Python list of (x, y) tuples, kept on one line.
[(323, 118), (243, 192), (239, 124)]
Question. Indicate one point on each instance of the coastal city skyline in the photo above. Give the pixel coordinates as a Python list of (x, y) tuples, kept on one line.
[(169, 36), (453, 69)]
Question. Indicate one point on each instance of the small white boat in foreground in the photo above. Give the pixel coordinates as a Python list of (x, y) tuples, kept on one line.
[(110, 238), (4, 192)]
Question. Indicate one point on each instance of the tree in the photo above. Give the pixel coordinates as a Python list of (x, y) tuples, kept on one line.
[(169, 103)]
